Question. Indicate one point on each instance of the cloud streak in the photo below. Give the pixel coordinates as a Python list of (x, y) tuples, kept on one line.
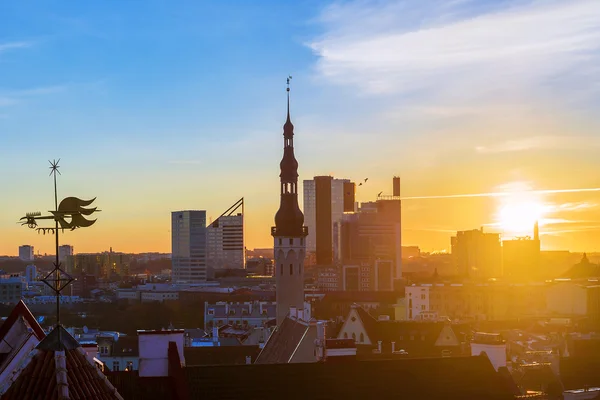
[(503, 194), (13, 45)]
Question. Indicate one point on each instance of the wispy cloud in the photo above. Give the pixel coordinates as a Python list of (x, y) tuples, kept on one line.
[(503, 194), (461, 50), (540, 143), (14, 45)]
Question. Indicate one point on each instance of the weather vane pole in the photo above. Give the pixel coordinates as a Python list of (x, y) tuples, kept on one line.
[(69, 214)]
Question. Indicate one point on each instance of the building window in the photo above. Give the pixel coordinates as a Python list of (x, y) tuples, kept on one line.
[(423, 307), (103, 350), (422, 297), (115, 366), (291, 269), (291, 242), (361, 338), (345, 335), (354, 336), (129, 366), (211, 311), (281, 270)]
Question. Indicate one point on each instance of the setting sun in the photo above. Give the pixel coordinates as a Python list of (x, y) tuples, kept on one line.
[(518, 217)]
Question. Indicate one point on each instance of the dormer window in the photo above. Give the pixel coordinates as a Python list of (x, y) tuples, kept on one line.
[(211, 311)]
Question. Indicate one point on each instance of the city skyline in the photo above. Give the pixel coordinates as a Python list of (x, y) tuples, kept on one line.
[(473, 110)]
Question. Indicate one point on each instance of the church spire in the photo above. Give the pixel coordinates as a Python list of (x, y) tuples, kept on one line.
[(289, 219), (288, 127)]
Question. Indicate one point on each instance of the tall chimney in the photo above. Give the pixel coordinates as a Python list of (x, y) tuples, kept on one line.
[(379, 346), (393, 347), (396, 186)]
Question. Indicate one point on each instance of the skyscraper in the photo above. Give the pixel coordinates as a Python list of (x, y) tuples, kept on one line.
[(225, 247), (188, 238), (26, 252), (325, 201), (289, 232), (477, 254)]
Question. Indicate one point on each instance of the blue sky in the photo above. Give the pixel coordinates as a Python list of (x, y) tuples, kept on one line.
[(161, 105)]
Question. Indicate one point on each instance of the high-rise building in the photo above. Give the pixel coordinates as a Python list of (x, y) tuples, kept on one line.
[(289, 232), (64, 252), (30, 273), (225, 247), (372, 234), (325, 201), (477, 254), (26, 252), (188, 246), (521, 257)]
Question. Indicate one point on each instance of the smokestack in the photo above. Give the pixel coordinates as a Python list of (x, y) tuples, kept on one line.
[(536, 231), (396, 186), (393, 347)]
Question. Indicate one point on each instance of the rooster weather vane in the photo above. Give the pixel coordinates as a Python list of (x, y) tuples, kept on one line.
[(70, 214)]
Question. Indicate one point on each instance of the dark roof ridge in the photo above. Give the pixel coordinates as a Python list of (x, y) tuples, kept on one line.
[(22, 310)]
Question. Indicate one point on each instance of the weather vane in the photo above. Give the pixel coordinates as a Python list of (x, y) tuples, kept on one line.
[(289, 78), (69, 214)]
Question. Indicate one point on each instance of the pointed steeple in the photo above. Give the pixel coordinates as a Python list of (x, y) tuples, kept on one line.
[(289, 220), (288, 127)]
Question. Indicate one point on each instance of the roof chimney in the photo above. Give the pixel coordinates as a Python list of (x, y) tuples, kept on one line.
[(154, 351)]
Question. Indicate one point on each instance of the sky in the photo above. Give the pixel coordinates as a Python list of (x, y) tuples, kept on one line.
[(156, 106)]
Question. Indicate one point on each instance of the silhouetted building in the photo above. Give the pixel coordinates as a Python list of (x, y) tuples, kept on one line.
[(64, 252), (100, 265), (289, 232), (188, 255), (521, 257), (477, 254), (83, 285), (372, 234), (325, 201), (225, 239), (26, 253)]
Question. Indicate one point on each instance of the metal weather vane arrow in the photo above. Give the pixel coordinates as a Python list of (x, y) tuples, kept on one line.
[(69, 214)]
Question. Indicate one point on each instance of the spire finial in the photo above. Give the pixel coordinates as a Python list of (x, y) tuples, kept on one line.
[(288, 96)]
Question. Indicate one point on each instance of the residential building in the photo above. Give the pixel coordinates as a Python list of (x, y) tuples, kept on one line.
[(328, 278), (406, 338), (521, 258), (225, 247), (260, 266), (368, 277), (188, 255), (83, 285), (246, 315), (568, 299), (64, 252), (289, 233), (101, 265), (477, 254), (336, 373), (118, 353), (325, 201), (26, 253), (30, 273), (11, 290), (470, 301)]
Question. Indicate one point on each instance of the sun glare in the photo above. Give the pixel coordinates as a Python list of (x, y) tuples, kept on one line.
[(518, 217)]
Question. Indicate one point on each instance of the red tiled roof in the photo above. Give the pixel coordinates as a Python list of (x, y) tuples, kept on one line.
[(21, 310), (38, 379)]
